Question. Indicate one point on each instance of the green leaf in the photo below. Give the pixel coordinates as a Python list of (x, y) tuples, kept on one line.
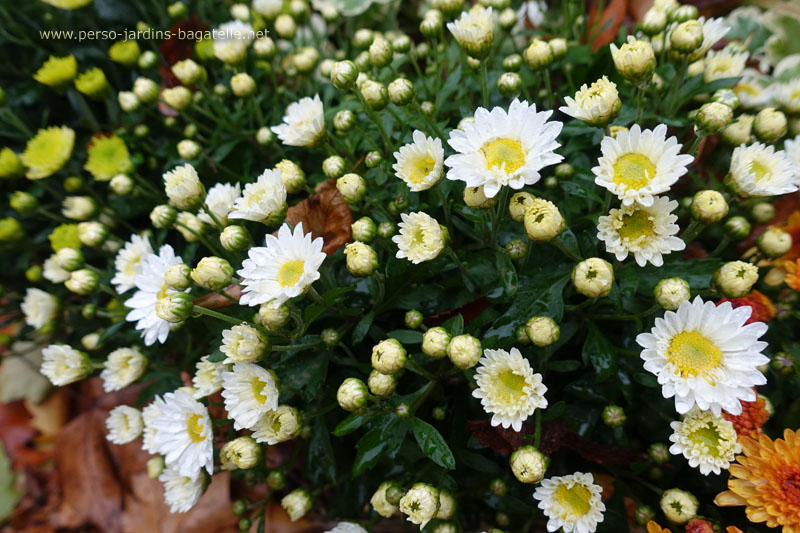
[(508, 274), (432, 443), (599, 351), (385, 439), (304, 371), (352, 423), (554, 411), (564, 366), (320, 461), (110, 331), (454, 325), (647, 380), (361, 329), (476, 461), (697, 272), (406, 336)]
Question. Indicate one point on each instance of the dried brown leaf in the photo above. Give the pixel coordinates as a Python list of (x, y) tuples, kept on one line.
[(325, 215)]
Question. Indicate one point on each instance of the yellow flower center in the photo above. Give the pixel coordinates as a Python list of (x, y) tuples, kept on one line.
[(420, 169), (162, 292), (693, 353), (276, 425), (258, 391), (576, 499), (709, 436), (503, 154), (194, 426), (759, 170), (748, 89), (509, 385), (634, 171), (636, 225), (290, 273)]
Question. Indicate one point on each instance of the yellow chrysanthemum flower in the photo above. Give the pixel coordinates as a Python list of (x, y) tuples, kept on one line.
[(48, 151), (10, 165), (92, 83), (124, 52), (107, 157), (64, 236), (68, 4), (57, 71)]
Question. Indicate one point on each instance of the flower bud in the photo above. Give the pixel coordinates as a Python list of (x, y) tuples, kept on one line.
[(177, 10), (264, 136), (141, 131), (542, 330), (364, 229), (373, 159), (344, 121), (343, 75), (298, 502), (695, 69), (538, 55), (635, 60), (435, 342), (380, 52), (23, 202), (381, 385), (92, 234), (642, 514), (420, 504), (145, 89), (401, 91), (670, 293), (183, 187), (475, 198), (783, 363), (774, 242), (614, 416), (386, 229), (128, 101), (285, 26), (334, 166), (543, 221), (654, 21), (361, 259), (78, 207), (34, 273), (306, 60), (175, 307), (737, 227), (188, 149), (709, 206), (712, 118), (234, 238), (212, 273), (659, 453), (770, 125), (352, 187), (593, 277), (516, 249), (243, 452), (276, 480), (528, 464), (352, 394), (363, 65), (447, 505), (727, 97), (427, 108), (736, 278), (70, 259), (188, 72), (147, 60), (519, 204), (178, 277), (272, 318), (178, 98), (739, 131), (154, 466), (362, 38), (413, 319), (521, 335), (762, 212), (292, 176), (679, 506), (401, 43), (388, 356), (464, 351), (121, 184), (512, 63), (686, 37), (243, 84), (375, 94), (83, 281), (474, 31), (683, 13), (509, 84), (330, 337), (243, 344)]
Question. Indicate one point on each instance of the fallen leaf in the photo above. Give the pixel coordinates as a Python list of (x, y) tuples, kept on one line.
[(19, 374), (325, 215), (215, 300), (603, 30), (17, 436), (49, 416)]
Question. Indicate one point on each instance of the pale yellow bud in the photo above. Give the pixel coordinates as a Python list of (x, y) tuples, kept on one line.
[(593, 277), (464, 351)]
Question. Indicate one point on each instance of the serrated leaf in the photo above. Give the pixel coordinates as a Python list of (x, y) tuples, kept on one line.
[(432, 443)]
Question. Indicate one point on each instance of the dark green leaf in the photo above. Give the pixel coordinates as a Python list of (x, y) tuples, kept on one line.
[(351, 423), (476, 461), (432, 443), (599, 351), (406, 336), (564, 366), (554, 411), (320, 461), (508, 274), (361, 329), (455, 325)]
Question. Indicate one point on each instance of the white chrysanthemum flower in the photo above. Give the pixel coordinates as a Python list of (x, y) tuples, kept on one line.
[(219, 200), (791, 148), (419, 164), (181, 492), (124, 424), (231, 41), (262, 200), (284, 269), (127, 263), (753, 90), (53, 271), (760, 170), (347, 527), (596, 105), (150, 413), (207, 378), (277, 426), (788, 96), (705, 355), (714, 29), (242, 344), (723, 64), (646, 232), (380, 502), (420, 504), (637, 165), (571, 502), (533, 11), (183, 187), (151, 286), (708, 441), (123, 367), (504, 148), (249, 391), (474, 31), (184, 434), (63, 364), (508, 388), (420, 237), (303, 123), (39, 307)]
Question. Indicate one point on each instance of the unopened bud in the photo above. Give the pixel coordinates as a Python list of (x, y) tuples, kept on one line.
[(175, 307), (234, 238), (770, 125), (528, 464), (464, 351), (542, 330), (709, 206), (774, 242), (401, 91), (593, 277), (538, 55), (352, 394)]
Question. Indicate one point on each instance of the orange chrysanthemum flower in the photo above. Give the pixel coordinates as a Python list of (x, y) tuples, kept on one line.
[(766, 479), (699, 525), (754, 416), (763, 309), (652, 527), (792, 269)]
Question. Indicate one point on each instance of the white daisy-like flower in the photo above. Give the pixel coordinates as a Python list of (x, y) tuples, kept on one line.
[(792, 149), (151, 286), (508, 388), (39, 307), (637, 165), (231, 41), (705, 355), (284, 269), (124, 424), (420, 504), (571, 502), (276, 426), (347, 527), (53, 272), (183, 187), (504, 148), (647, 232), (753, 90), (420, 237), (63, 364), (721, 64), (250, 391), (150, 413), (474, 31), (419, 164), (760, 170), (532, 11), (714, 29), (303, 123), (788, 96), (262, 200), (127, 263), (708, 441), (207, 378), (184, 434), (219, 201), (122, 367), (595, 105), (181, 492)]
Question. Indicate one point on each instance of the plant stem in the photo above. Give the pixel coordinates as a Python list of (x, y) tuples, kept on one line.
[(484, 84), (208, 312), (548, 88), (445, 207), (468, 279), (501, 210), (377, 121)]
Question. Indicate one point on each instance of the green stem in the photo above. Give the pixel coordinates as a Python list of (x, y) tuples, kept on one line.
[(484, 84), (87, 111), (558, 243), (15, 121), (215, 314), (293, 347), (502, 207), (548, 88), (445, 207), (468, 279), (640, 90), (377, 121)]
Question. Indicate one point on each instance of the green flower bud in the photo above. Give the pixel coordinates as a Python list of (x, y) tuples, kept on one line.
[(509, 84), (380, 52), (70, 259), (386, 229), (83, 281), (381, 385), (659, 453), (352, 394), (343, 76), (285, 26), (34, 273), (516, 249), (712, 118), (521, 334), (507, 19), (23, 202), (234, 238), (352, 187), (212, 273), (344, 121), (177, 10), (334, 166), (375, 94), (401, 43), (512, 63), (762, 212), (538, 55), (614, 416), (363, 38), (542, 330), (11, 230), (670, 293), (276, 480), (643, 514), (373, 159), (770, 125), (175, 307), (737, 227), (498, 487), (362, 62), (683, 13), (178, 277), (427, 108), (727, 97), (364, 229), (413, 319), (439, 413), (401, 91), (330, 337), (163, 216), (432, 24), (687, 36), (654, 21)]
